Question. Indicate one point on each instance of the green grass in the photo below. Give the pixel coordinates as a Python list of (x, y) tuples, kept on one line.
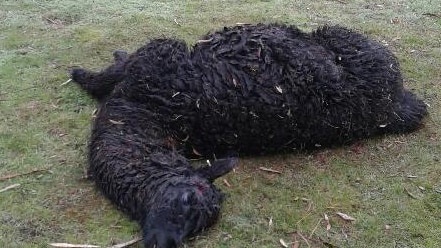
[(390, 185)]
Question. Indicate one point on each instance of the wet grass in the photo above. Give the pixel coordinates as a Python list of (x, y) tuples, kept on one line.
[(390, 185)]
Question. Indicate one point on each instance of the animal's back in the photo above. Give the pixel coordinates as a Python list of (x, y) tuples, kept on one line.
[(272, 87)]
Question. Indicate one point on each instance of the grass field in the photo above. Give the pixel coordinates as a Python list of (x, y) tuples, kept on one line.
[(390, 185)]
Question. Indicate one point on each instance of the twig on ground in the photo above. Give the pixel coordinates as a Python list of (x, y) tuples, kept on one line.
[(3, 178), (341, 1), (226, 183), (315, 228), (334, 207), (125, 244), (304, 239), (10, 187), (68, 81), (345, 216), (328, 224), (309, 206), (410, 194), (50, 20), (283, 243), (270, 170), (304, 217), (432, 15)]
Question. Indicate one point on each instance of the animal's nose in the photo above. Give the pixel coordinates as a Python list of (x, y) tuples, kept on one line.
[(161, 240)]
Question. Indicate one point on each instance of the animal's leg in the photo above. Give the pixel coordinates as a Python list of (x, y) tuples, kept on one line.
[(217, 168), (100, 84)]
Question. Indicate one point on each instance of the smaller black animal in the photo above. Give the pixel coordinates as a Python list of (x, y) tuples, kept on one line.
[(134, 164)]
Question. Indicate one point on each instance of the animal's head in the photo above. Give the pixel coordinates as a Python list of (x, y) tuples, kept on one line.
[(185, 206)]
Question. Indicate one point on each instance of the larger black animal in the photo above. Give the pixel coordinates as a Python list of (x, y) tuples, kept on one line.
[(259, 88), (248, 88)]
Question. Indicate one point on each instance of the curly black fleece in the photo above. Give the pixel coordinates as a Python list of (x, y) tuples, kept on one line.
[(252, 89), (260, 88), (135, 164), (134, 161)]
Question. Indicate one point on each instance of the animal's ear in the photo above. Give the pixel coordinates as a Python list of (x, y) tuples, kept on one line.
[(120, 56), (78, 75), (218, 168)]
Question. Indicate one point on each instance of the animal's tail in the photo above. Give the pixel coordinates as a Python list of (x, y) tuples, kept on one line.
[(100, 84), (408, 114)]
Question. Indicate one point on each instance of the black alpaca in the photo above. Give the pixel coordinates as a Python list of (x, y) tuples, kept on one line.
[(253, 89), (135, 164), (260, 88)]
